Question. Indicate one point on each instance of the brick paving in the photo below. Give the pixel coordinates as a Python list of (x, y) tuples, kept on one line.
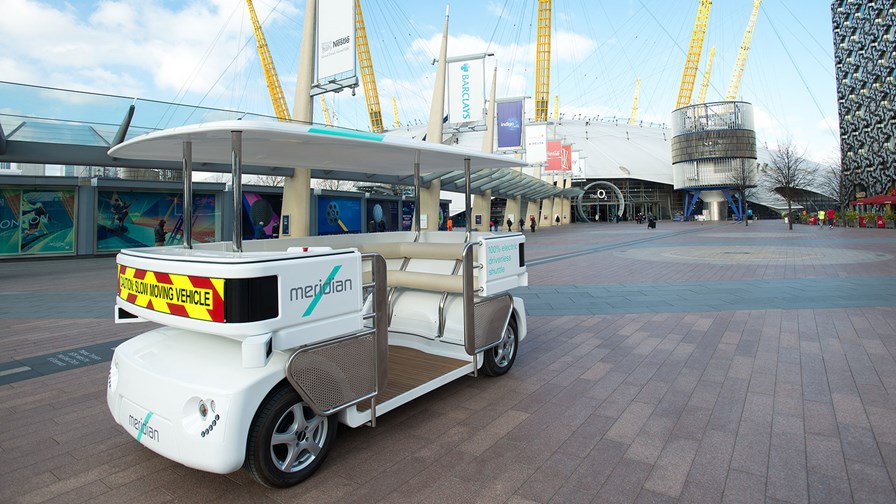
[(690, 363)]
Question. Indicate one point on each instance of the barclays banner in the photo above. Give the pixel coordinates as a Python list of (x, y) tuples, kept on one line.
[(510, 124), (536, 143), (335, 39), (466, 91)]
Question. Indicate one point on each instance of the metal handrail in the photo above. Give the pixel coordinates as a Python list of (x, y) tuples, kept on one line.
[(469, 325), (380, 316)]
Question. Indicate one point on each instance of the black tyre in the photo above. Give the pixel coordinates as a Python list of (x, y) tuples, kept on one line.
[(499, 359), (287, 440)]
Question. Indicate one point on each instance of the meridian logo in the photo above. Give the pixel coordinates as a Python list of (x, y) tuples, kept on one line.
[(320, 289)]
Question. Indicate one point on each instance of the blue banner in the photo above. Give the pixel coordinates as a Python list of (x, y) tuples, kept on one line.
[(510, 124)]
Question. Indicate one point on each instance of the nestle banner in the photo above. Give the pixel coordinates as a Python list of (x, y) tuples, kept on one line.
[(536, 139), (335, 39), (466, 91), (510, 124), (555, 153)]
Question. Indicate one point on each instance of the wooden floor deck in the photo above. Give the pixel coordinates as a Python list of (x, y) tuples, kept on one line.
[(409, 368)]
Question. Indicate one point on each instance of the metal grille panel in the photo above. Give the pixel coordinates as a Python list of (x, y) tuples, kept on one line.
[(334, 375), (490, 317)]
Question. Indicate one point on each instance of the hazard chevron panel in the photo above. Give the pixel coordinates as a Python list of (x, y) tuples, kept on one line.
[(194, 297)]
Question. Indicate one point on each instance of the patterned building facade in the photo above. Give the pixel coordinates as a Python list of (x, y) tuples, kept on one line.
[(865, 56)]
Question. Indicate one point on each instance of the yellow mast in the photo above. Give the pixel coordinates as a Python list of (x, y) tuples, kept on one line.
[(281, 110), (634, 117), (734, 85), (368, 79), (704, 86), (396, 120), (543, 61), (689, 75), (325, 110)]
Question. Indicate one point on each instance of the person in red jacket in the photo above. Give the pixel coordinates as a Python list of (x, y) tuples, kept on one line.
[(831, 218)]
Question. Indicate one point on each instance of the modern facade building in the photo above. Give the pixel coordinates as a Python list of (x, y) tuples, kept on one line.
[(865, 56)]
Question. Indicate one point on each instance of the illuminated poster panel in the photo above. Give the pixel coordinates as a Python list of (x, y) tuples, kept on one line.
[(555, 156), (335, 40), (261, 208), (337, 215), (10, 204), (536, 143), (45, 222), (466, 91), (127, 219), (510, 124), (382, 215)]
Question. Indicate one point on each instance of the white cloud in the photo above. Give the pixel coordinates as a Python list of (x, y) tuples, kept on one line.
[(129, 46)]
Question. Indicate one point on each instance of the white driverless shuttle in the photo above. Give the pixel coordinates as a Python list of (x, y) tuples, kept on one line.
[(267, 345)]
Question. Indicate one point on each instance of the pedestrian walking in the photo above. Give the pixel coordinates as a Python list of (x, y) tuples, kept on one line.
[(830, 218), (509, 225), (160, 233), (532, 223)]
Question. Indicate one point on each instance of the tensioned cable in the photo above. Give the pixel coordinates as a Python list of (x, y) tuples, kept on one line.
[(181, 93), (802, 78), (797, 19)]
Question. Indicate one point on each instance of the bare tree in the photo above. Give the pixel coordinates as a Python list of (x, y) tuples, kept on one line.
[(743, 178), (836, 185), (220, 177), (787, 174), (269, 180), (333, 185)]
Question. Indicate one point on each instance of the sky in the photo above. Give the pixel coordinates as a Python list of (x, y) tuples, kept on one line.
[(203, 52)]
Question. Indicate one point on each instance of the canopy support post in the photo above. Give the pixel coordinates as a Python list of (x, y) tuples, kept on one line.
[(417, 195), (468, 211), (236, 140), (188, 195)]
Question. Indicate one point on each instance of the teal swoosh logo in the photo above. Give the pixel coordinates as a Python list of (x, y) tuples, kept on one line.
[(143, 427), (320, 293)]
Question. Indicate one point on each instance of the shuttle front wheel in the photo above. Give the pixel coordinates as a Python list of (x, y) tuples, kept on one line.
[(287, 440)]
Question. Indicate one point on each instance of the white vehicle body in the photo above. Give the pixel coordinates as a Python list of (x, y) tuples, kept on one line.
[(312, 311)]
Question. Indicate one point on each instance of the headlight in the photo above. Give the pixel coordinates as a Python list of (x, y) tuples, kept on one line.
[(113, 376)]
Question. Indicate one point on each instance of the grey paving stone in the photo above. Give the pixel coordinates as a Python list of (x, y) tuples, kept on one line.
[(671, 469), (787, 478), (824, 488), (751, 449), (870, 483), (624, 483), (824, 456), (744, 488), (858, 444), (819, 418), (706, 480)]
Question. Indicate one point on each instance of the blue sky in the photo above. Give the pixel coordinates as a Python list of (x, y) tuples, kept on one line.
[(203, 52)]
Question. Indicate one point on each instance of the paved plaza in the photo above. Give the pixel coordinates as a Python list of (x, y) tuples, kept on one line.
[(690, 363)]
